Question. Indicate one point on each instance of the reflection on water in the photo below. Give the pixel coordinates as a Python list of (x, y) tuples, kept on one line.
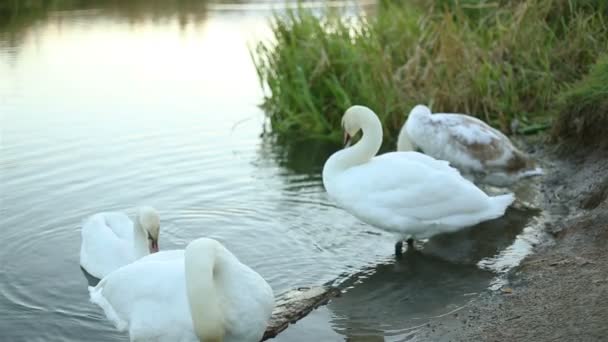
[(396, 297), (300, 156), (18, 18), (482, 241), (105, 105)]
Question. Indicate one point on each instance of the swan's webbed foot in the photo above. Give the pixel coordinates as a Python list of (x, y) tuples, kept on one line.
[(399, 249)]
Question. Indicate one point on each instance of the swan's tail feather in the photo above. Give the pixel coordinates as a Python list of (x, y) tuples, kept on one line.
[(500, 204), (96, 297)]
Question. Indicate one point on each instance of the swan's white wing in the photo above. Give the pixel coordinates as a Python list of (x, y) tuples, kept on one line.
[(436, 164), (102, 250), (398, 190), (119, 223), (252, 303), (148, 299)]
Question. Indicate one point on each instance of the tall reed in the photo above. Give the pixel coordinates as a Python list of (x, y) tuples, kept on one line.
[(498, 60)]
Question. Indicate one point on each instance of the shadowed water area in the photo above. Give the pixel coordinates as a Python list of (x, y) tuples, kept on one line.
[(106, 105)]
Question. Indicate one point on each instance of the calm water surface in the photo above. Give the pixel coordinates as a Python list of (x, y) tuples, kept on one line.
[(110, 106)]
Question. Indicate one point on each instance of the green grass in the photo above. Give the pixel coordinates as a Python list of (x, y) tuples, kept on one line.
[(497, 60), (583, 116)]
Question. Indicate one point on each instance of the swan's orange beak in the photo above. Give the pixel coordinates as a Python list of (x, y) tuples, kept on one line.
[(347, 139), (154, 246)]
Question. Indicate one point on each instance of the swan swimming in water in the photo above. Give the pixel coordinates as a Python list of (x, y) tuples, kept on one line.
[(469, 144), (406, 193), (111, 240), (201, 294)]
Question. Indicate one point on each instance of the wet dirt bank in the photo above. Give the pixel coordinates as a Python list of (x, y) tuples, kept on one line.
[(560, 292)]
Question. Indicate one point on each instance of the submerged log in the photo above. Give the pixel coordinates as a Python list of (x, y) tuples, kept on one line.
[(294, 305)]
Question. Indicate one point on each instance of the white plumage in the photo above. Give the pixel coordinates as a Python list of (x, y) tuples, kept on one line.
[(407, 193), (111, 240), (204, 294), (469, 144)]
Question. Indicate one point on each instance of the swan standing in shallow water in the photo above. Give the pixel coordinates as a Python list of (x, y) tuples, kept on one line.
[(203, 294), (111, 240), (406, 193), (469, 144)]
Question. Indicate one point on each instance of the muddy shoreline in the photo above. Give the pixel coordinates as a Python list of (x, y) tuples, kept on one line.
[(560, 291)]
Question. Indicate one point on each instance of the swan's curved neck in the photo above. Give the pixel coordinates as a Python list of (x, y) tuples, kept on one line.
[(140, 240), (404, 143), (204, 293), (360, 153)]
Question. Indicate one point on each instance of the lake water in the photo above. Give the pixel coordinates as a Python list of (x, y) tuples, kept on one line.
[(117, 104)]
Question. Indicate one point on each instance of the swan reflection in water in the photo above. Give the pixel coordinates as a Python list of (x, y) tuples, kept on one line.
[(391, 300)]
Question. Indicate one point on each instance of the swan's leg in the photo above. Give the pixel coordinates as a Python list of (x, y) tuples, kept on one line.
[(399, 248)]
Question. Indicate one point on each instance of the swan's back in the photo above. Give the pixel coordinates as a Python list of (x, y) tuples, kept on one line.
[(106, 243), (469, 144), (119, 223), (250, 293), (408, 192), (148, 298)]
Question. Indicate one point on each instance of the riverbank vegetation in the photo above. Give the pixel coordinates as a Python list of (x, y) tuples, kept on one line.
[(583, 108), (499, 60)]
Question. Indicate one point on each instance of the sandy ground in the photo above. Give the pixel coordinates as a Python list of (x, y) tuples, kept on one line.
[(560, 292)]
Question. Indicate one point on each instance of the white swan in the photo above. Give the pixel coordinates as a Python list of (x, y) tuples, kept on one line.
[(407, 193), (111, 240), (469, 144), (203, 294)]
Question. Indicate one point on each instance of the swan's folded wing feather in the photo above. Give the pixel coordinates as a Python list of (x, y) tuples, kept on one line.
[(411, 157), (252, 304), (97, 297), (148, 297), (119, 223), (466, 128), (398, 187), (102, 250), (475, 138)]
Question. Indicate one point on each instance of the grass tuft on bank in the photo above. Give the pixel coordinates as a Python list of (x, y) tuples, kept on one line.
[(583, 109), (498, 60)]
